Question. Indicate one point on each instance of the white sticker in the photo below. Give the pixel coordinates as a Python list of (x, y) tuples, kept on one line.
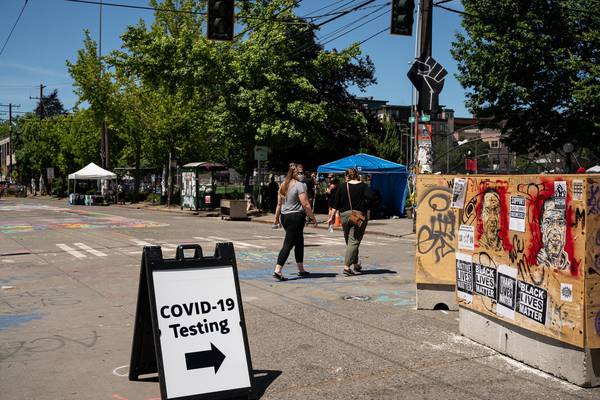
[(518, 213), (577, 190), (507, 291), (466, 237), (560, 195), (459, 192), (566, 292)]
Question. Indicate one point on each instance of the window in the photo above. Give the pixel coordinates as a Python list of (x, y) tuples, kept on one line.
[(495, 144)]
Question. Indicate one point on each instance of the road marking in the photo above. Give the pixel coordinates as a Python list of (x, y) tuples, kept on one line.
[(243, 245), (141, 242), (168, 246), (87, 248), (70, 250)]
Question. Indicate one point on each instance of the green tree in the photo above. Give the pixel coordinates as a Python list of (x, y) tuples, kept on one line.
[(387, 143), (94, 85), (532, 66), (50, 105)]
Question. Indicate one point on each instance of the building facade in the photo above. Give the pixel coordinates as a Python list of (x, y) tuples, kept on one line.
[(5, 158)]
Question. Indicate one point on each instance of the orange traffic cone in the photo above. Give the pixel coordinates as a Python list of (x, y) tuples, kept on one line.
[(338, 220)]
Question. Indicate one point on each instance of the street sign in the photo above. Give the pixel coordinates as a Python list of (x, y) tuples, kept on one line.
[(425, 118), (261, 153), (411, 119), (190, 317)]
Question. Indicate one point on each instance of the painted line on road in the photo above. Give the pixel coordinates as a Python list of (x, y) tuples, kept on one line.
[(141, 242), (90, 250), (70, 250), (243, 245)]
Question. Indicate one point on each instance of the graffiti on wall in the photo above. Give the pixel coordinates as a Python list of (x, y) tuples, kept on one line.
[(437, 235)]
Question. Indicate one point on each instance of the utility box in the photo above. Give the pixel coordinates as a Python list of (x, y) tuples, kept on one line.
[(436, 226)]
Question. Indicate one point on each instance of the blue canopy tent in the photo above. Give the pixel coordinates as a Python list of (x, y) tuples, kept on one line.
[(388, 178)]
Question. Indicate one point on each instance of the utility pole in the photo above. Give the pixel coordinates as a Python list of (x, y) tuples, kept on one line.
[(105, 140), (41, 99), (10, 137)]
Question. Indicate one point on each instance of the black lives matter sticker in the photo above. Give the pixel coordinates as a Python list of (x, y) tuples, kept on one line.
[(507, 291), (485, 281), (464, 276), (532, 302)]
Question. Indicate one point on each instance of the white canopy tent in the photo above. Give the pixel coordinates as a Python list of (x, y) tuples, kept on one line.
[(90, 172), (594, 169)]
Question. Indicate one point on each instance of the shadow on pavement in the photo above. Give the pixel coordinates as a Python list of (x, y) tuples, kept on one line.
[(263, 379), (377, 271), (316, 275)]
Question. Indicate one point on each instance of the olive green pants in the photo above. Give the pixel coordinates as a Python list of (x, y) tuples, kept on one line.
[(353, 235)]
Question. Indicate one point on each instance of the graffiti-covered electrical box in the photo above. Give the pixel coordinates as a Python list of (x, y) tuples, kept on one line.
[(436, 241), (524, 249)]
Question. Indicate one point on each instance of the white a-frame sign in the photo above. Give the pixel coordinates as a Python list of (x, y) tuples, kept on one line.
[(189, 325)]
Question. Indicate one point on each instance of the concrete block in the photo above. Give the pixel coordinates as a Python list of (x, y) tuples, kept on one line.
[(435, 297), (580, 366)]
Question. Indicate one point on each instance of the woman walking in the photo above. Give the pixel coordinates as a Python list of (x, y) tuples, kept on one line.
[(292, 208), (352, 198)]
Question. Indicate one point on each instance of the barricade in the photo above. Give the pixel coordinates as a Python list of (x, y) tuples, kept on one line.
[(526, 251)]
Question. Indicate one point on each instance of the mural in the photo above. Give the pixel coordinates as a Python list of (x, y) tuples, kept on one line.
[(535, 262), (490, 219), (553, 227)]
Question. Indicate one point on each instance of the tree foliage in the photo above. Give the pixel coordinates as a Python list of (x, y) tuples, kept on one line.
[(170, 92), (532, 67)]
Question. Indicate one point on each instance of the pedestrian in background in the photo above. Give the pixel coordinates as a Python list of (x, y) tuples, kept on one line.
[(273, 189), (332, 189), (292, 208), (354, 196)]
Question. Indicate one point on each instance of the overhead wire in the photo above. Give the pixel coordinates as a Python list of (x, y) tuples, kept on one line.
[(330, 34), (13, 28)]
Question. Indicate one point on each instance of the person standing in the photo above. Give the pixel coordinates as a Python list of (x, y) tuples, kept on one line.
[(330, 193), (353, 196), (292, 208), (273, 189)]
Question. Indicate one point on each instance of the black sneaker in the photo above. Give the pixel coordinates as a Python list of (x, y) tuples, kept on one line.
[(279, 277), (357, 267), (349, 272)]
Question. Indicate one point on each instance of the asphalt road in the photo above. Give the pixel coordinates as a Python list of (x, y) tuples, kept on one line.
[(69, 280)]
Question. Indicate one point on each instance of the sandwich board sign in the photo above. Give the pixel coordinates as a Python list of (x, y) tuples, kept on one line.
[(189, 325)]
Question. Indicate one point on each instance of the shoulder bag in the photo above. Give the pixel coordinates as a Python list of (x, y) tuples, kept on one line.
[(356, 218)]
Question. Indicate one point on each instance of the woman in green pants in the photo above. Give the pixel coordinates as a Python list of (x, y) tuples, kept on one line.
[(353, 196)]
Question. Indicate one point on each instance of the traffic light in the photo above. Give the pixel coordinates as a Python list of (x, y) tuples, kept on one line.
[(402, 17), (220, 19)]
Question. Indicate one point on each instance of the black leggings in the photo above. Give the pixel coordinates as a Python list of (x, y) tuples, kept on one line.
[(293, 224)]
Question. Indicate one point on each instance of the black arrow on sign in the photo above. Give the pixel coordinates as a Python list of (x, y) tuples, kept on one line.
[(205, 359)]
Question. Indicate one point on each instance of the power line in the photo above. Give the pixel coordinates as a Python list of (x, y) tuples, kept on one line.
[(323, 8), (178, 11), (306, 47), (373, 35), (13, 28), (358, 7), (327, 36)]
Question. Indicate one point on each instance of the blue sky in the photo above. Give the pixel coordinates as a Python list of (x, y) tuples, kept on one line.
[(51, 31)]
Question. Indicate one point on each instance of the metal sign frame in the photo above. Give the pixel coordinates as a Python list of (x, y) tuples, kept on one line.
[(146, 352)]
